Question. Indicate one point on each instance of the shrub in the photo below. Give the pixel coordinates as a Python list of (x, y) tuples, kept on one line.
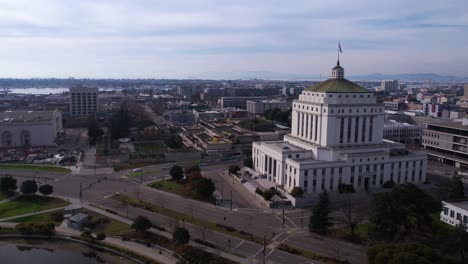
[(47, 229), (259, 191), (234, 169), (267, 195), (389, 184), (101, 236), (346, 188), (181, 236), (297, 192), (57, 216)]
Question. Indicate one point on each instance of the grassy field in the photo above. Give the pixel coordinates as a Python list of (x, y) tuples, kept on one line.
[(39, 218), (29, 204), (34, 168), (144, 172), (6, 195), (113, 227), (169, 186), (152, 147), (185, 217)]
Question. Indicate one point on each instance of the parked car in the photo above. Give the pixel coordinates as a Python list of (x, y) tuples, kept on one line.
[(136, 170)]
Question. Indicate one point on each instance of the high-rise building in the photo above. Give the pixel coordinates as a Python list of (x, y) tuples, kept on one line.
[(83, 101), (389, 86), (336, 140), (465, 91)]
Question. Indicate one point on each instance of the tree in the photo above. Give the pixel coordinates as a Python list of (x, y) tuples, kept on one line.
[(203, 188), (297, 192), (101, 236), (396, 209), (195, 168), (141, 224), (28, 187), (8, 184), (181, 236), (456, 191), (320, 220), (46, 189), (351, 215), (404, 253), (176, 173), (248, 163), (120, 122), (93, 130), (233, 169)]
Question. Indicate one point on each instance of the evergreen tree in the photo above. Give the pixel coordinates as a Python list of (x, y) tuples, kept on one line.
[(320, 220), (456, 190)]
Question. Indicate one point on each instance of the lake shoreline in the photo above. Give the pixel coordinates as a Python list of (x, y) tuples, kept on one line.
[(52, 245)]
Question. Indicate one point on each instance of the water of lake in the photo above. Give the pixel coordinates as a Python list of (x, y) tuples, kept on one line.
[(12, 254)]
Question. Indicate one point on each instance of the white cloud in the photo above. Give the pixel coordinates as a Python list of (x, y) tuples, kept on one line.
[(125, 38)]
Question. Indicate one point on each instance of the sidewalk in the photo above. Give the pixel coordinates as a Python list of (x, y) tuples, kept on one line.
[(39, 212), (11, 198)]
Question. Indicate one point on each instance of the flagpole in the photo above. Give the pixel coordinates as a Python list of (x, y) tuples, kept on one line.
[(338, 50)]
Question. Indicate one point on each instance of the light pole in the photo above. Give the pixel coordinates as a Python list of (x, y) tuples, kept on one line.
[(141, 176)]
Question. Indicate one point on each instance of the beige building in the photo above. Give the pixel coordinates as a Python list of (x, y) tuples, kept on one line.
[(83, 101)]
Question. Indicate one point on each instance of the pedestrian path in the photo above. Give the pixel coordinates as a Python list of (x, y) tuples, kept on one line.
[(10, 198), (35, 213)]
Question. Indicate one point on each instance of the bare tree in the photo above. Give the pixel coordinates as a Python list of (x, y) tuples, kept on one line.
[(352, 214)]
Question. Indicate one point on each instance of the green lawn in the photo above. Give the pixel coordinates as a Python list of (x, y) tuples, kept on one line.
[(152, 147), (144, 172), (5, 195), (29, 204), (169, 186), (39, 218), (113, 227), (34, 168)]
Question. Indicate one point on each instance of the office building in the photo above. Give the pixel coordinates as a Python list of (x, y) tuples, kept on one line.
[(238, 101), (259, 107), (337, 139), (83, 101), (389, 86), (447, 143), (402, 132)]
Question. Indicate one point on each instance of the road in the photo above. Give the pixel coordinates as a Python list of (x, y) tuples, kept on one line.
[(258, 222)]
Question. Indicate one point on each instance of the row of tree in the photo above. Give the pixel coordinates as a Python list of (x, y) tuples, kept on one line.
[(279, 116), (8, 184), (199, 186)]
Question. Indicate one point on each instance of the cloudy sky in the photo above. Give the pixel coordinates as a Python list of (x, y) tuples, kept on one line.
[(182, 38)]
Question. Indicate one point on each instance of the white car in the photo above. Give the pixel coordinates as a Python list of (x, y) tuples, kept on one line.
[(136, 170)]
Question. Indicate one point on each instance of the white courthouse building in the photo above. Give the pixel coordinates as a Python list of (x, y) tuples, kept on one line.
[(29, 128), (337, 138)]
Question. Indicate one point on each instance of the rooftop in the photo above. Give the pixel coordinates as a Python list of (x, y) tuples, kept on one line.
[(338, 85), (78, 217), (26, 116)]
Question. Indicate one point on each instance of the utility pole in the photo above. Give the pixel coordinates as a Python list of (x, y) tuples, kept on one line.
[(283, 215), (264, 249), (302, 218), (81, 192)]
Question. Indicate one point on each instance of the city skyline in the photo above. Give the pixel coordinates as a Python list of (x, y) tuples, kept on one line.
[(155, 39)]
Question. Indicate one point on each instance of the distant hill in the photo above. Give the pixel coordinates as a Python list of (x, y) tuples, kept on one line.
[(269, 75), (248, 75), (409, 77)]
